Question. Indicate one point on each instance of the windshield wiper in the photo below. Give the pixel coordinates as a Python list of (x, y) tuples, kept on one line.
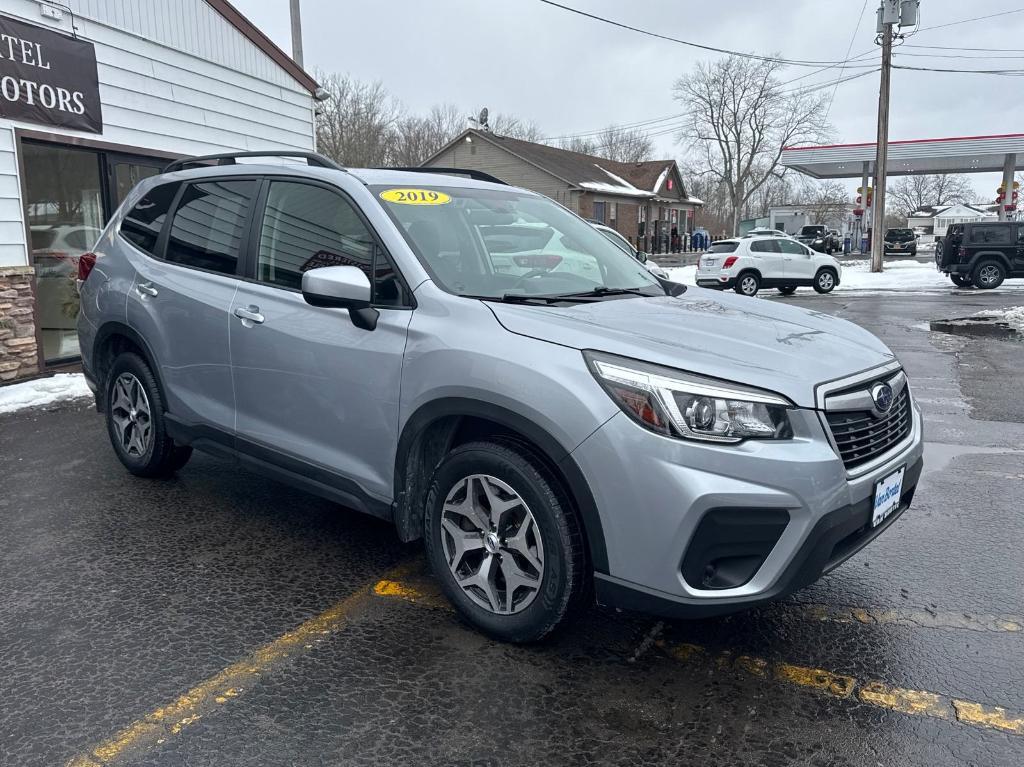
[(603, 290), (519, 298)]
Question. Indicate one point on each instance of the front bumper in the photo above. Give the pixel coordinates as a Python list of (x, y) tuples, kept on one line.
[(654, 514)]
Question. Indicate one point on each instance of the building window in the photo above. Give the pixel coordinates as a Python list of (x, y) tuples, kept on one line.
[(599, 212), (64, 208), (613, 213)]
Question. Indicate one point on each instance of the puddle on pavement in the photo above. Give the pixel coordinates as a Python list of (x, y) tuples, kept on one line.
[(983, 327)]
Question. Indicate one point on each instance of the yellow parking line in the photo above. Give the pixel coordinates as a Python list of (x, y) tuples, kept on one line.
[(913, 618), (913, 702), (167, 721)]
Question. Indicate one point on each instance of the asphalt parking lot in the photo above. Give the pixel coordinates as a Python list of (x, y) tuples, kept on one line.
[(222, 619)]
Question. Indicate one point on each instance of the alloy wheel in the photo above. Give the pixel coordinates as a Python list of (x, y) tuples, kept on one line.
[(748, 285), (492, 544), (988, 275), (826, 281), (131, 415)]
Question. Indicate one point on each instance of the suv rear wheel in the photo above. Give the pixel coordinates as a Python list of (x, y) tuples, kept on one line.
[(961, 280), (747, 284), (504, 542), (135, 420), (988, 274)]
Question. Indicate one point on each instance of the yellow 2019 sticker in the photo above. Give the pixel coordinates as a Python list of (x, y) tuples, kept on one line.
[(415, 196)]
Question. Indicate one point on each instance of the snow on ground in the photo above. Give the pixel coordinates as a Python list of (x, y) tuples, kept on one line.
[(1012, 316), (857, 276), (43, 391)]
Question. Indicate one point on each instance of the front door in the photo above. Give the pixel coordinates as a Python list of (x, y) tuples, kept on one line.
[(180, 301), (1018, 264), (797, 261), (314, 392)]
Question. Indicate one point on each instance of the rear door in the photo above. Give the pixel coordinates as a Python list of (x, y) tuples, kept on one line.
[(317, 395), (798, 261), (768, 257), (181, 297)]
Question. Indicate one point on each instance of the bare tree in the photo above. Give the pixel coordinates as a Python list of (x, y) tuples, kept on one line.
[(417, 138), (515, 127), (623, 145), (910, 193), (355, 125), (578, 144), (824, 201), (739, 120)]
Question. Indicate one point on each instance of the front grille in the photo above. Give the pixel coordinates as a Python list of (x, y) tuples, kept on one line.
[(860, 436)]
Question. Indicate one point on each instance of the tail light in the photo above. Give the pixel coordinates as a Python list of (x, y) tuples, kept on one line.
[(729, 261), (538, 262), (86, 262)]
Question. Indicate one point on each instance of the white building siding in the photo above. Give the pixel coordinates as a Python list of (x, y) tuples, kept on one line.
[(174, 77)]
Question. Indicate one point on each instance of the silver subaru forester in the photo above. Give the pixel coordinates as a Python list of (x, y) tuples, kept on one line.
[(480, 366)]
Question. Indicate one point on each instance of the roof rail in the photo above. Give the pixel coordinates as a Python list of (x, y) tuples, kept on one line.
[(476, 175), (229, 158)]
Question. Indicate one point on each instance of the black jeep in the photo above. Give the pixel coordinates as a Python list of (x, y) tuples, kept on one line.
[(981, 254)]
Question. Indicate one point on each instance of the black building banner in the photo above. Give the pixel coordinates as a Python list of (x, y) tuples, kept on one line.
[(47, 77)]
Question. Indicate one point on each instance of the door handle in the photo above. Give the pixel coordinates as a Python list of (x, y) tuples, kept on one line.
[(147, 289), (251, 314)]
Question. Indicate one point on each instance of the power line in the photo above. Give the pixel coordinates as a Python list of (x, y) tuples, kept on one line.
[(967, 21), (1000, 72), (849, 48), (691, 44), (956, 56), (598, 131), (960, 48)]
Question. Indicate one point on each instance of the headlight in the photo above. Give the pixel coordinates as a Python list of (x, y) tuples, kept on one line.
[(677, 404), (819, 239)]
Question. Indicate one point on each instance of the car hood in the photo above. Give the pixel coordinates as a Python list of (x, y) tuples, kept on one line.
[(761, 343)]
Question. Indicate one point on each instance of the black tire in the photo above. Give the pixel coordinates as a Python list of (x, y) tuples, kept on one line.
[(158, 455), (961, 280), (988, 274), (564, 583), (787, 290), (747, 284), (825, 280)]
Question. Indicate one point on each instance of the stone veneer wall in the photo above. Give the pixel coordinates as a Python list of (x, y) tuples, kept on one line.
[(19, 356)]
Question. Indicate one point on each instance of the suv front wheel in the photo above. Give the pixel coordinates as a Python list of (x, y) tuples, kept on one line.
[(825, 281), (504, 541), (135, 420), (988, 274)]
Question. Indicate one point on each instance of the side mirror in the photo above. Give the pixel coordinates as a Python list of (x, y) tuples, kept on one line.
[(341, 287), (641, 257)]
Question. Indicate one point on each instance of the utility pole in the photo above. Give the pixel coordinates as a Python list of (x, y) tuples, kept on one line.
[(296, 32), (889, 9)]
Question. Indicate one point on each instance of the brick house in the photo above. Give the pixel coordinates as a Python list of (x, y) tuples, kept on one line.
[(642, 201)]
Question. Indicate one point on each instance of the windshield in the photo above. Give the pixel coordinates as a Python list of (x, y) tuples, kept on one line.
[(491, 243), (903, 234), (618, 242), (812, 231)]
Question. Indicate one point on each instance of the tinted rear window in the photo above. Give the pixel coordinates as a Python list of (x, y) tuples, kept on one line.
[(989, 234), (723, 247), (141, 227), (208, 223)]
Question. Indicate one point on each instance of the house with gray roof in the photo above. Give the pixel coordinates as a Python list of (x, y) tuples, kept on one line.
[(643, 201)]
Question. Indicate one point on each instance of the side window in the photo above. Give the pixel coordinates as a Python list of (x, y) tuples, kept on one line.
[(764, 246), (142, 225), (989, 234), (208, 224), (792, 247), (306, 226), (1020, 234)]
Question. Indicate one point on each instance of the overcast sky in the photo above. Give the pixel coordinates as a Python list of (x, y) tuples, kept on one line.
[(571, 74)]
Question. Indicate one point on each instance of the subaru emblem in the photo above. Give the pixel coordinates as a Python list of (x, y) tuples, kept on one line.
[(881, 393)]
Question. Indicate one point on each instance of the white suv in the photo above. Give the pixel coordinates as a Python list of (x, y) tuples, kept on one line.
[(746, 265)]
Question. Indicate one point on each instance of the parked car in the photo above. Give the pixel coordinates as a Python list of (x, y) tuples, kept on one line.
[(626, 247), (981, 254), (819, 238), (765, 232), (345, 331), (900, 242), (748, 264)]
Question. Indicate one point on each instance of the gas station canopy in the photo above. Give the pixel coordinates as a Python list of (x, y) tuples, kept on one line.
[(970, 154)]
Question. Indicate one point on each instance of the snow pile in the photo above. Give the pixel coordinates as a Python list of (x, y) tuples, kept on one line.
[(621, 186), (43, 391), (1012, 316)]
